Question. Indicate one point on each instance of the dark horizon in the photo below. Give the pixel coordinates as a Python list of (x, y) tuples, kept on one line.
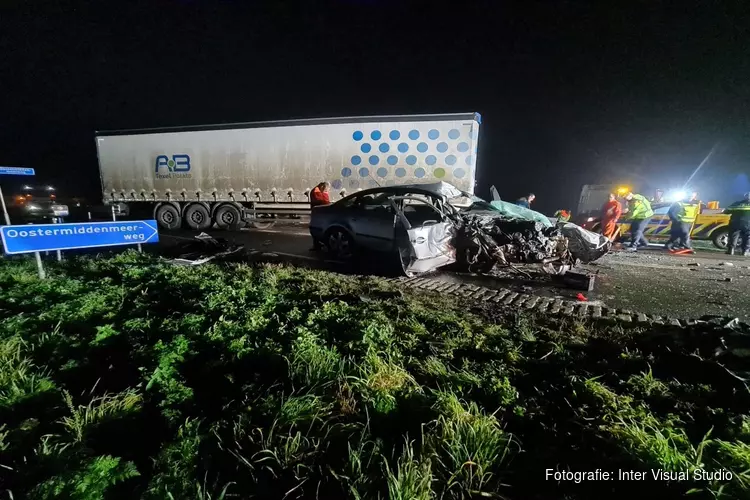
[(569, 94)]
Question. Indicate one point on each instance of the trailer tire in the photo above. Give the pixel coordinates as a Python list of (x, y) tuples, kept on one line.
[(168, 217), (228, 217), (197, 217)]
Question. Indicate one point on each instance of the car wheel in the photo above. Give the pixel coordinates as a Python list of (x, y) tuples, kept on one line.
[(168, 217), (197, 217), (339, 244), (720, 238), (227, 217)]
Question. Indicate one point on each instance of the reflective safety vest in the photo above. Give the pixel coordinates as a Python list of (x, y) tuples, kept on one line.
[(641, 208), (688, 212), (738, 207)]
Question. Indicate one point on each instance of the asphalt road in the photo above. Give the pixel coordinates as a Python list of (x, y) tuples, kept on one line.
[(650, 281)]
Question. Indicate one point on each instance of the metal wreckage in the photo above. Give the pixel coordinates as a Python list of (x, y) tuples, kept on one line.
[(485, 237)]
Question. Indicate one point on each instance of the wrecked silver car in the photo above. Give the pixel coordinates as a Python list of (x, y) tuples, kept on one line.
[(434, 225)]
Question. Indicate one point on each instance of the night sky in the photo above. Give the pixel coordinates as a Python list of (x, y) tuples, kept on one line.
[(570, 92)]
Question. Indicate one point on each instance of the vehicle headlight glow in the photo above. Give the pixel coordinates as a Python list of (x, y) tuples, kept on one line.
[(590, 219), (676, 195), (33, 208)]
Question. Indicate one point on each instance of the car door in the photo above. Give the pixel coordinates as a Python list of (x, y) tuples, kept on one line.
[(424, 236), (372, 221)]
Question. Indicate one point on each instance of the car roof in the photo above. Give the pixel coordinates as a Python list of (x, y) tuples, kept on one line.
[(436, 189)]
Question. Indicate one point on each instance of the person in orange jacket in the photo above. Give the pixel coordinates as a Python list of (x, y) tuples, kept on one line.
[(319, 195), (611, 212)]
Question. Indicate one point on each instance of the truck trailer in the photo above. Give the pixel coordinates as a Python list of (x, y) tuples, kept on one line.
[(234, 174)]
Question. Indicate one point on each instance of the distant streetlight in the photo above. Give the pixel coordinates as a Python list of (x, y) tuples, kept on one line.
[(27, 188), (50, 188)]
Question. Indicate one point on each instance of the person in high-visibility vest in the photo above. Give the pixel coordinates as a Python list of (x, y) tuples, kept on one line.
[(562, 216), (640, 213), (682, 213), (739, 225)]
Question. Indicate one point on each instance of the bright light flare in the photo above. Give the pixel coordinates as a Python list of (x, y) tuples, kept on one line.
[(673, 196)]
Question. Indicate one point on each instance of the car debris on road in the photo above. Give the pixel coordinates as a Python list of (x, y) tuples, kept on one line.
[(203, 248)]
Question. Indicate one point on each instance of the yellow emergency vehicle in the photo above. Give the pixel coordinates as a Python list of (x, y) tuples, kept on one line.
[(710, 224)]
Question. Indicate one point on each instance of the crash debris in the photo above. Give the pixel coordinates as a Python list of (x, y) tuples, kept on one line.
[(203, 248)]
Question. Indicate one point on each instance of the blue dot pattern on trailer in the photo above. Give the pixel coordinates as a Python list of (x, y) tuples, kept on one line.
[(463, 147), (469, 160), (454, 134), (450, 160), (414, 135), (364, 172), (419, 172), (400, 172), (394, 135), (354, 183), (382, 172), (411, 160), (422, 147), (366, 148), (374, 160), (403, 147), (458, 173), (358, 135), (392, 160), (356, 160), (433, 134), (376, 135), (384, 147), (430, 160), (336, 184), (346, 172), (473, 133), (442, 147)]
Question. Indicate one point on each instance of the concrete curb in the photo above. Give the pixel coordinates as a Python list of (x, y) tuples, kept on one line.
[(504, 297), (536, 303)]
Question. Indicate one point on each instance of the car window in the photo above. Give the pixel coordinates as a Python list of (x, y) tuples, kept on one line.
[(375, 202)]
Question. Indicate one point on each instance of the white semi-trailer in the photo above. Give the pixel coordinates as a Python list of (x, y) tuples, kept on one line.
[(248, 172)]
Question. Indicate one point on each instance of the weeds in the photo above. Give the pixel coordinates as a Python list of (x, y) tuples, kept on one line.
[(123, 377)]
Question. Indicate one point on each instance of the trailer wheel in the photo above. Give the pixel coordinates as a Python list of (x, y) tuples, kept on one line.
[(227, 217), (168, 217), (197, 217)]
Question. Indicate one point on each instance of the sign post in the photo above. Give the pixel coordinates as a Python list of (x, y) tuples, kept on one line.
[(75, 235), (11, 171)]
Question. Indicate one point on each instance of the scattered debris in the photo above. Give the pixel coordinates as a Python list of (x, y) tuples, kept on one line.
[(728, 264), (204, 248), (581, 297), (695, 264), (579, 281), (267, 243), (728, 280)]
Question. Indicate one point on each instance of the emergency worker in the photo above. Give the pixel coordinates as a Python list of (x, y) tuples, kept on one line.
[(682, 215), (611, 212), (739, 225), (639, 209), (526, 201), (319, 195)]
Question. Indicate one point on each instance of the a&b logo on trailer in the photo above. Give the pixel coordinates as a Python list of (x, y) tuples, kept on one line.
[(177, 166)]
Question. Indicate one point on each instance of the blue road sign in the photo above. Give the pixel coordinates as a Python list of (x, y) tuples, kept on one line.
[(16, 171), (44, 237)]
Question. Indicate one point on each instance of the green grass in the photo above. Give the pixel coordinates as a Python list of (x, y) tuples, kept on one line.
[(126, 377)]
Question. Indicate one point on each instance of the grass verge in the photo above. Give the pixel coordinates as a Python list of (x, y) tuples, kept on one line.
[(125, 377)]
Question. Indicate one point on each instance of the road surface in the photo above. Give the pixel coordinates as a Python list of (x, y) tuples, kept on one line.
[(650, 281)]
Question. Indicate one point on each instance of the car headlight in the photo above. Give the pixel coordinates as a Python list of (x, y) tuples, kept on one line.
[(33, 208), (590, 219)]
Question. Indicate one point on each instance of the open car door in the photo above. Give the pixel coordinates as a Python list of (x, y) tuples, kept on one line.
[(425, 245)]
